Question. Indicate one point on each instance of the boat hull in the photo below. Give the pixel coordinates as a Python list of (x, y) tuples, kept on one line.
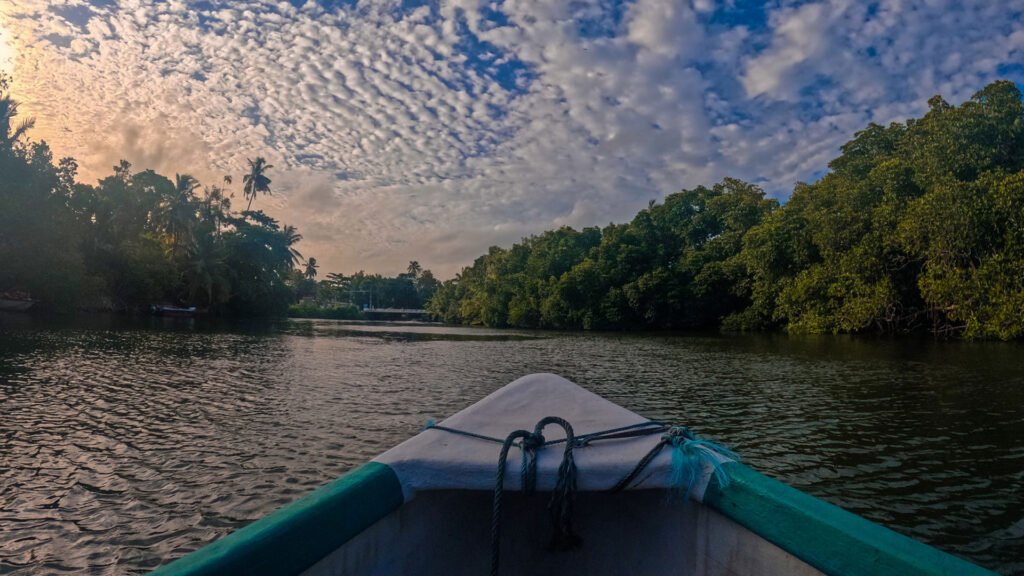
[(632, 533), (174, 311), (360, 525), (425, 507), (7, 305)]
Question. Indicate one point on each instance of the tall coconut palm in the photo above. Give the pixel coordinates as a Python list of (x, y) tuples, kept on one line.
[(256, 180), (414, 269), (311, 268)]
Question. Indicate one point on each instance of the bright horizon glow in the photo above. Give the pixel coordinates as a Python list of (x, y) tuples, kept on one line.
[(429, 131)]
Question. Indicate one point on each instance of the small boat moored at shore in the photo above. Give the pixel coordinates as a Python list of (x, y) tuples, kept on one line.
[(165, 310), (505, 486), (15, 302)]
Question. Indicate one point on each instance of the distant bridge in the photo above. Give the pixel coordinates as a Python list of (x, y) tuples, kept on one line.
[(393, 312)]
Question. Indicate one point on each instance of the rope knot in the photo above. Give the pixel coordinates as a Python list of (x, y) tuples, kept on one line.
[(533, 442), (677, 435), (691, 456)]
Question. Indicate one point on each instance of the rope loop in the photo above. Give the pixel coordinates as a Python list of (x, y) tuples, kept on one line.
[(691, 457), (564, 495)]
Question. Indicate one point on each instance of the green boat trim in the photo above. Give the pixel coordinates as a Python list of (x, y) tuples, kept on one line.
[(299, 534), (825, 536)]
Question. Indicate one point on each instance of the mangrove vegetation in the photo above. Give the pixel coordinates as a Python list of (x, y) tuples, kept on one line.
[(917, 226)]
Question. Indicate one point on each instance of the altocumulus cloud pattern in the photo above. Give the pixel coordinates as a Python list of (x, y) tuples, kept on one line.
[(430, 130)]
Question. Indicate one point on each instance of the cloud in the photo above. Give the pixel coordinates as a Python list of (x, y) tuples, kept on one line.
[(799, 34), (430, 132)]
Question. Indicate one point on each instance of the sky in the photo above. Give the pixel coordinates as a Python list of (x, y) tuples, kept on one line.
[(410, 130)]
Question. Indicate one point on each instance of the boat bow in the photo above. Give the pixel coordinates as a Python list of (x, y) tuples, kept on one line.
[(439, 459)]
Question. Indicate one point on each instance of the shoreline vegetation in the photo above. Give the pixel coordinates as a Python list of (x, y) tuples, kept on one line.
[(139, 241), (917, 227)]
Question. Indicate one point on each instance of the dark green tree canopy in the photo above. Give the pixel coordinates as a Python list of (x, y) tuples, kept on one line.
[(917, 226)]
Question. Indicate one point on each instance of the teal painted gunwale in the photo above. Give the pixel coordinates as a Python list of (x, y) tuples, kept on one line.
[(824, 535), (298, 535)]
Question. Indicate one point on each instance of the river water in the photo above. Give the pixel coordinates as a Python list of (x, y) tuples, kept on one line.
[(124, 444)]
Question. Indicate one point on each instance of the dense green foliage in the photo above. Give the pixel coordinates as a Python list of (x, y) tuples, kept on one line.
[(133, 239), (139, 238), (917, 226), (673, 266)]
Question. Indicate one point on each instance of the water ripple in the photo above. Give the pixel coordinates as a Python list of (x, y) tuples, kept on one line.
[(125, 446)]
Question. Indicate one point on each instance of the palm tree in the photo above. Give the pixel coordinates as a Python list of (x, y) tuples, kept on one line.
[(215, 208), (8, 110), (414, 269), (311, 267), (256, 180), (178, 211), (291, 237)]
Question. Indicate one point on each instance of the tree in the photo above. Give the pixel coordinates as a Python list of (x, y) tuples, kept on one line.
[(426, 285), (290, 236), (205, 272), (256, 180), (178, 212), (10, 134), (311, 268), (214, 209), (134, 238), (260, 257), (918, 225), (414, 269)]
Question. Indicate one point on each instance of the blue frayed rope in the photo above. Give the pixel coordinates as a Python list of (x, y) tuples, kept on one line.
[(690, 456)]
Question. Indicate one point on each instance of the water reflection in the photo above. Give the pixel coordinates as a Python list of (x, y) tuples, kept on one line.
[(126, 442)]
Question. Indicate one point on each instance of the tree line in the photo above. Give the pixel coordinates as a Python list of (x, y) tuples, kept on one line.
[(917, 226), (138, 238), (410, 290)]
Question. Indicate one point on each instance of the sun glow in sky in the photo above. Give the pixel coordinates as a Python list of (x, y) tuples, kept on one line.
[(409, 129)]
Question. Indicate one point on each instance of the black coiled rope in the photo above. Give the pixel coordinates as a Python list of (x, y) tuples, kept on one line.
[(560, 506)]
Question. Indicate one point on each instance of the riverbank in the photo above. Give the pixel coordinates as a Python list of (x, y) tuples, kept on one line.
[(335, 312)]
